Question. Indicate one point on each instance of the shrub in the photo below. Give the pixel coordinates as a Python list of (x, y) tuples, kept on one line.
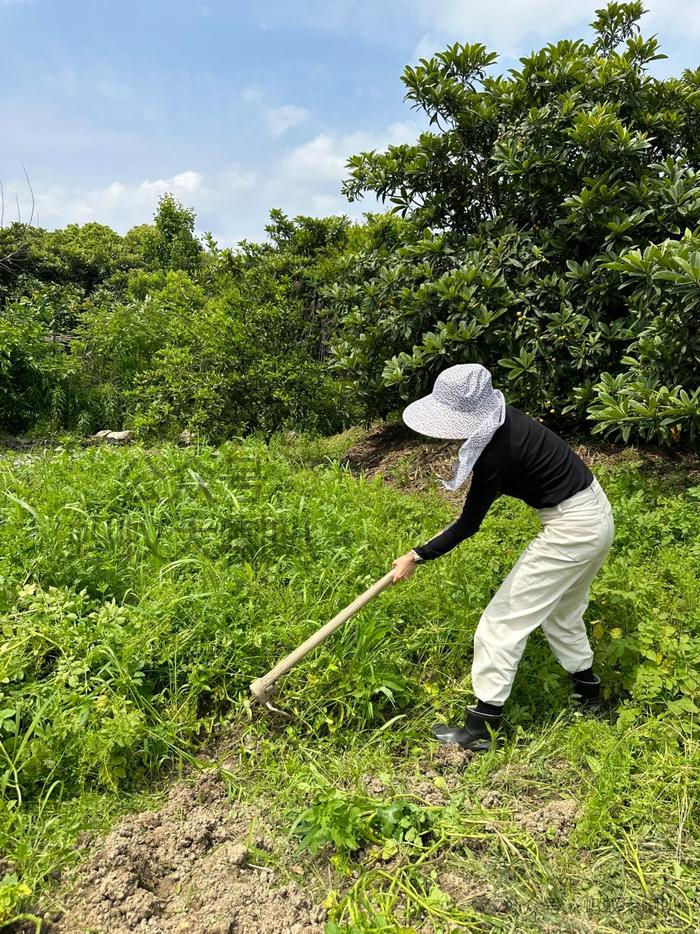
[(544, 237)]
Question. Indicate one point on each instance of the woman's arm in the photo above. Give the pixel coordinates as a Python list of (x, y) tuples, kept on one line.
[(485, 488)]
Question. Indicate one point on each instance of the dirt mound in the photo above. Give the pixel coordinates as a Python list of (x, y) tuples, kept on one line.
[(463, 890), (368, 453), (186, 868), (555, 820), (403, 459), (449, 756), (392, 452)]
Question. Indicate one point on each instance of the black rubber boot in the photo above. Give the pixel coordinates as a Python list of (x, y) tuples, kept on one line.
[(586, 693), (475, 732)]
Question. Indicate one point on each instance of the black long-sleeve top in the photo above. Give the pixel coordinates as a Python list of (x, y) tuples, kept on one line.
[(523, 459)]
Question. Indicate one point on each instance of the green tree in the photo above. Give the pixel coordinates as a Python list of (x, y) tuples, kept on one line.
[(520, 202), (84, 256), (171, 242)]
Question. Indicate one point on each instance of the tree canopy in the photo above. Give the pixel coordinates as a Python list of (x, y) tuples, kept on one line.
[(552, 235), (546, 224)]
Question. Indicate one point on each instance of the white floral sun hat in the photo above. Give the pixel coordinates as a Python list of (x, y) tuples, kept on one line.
[(463, 404)]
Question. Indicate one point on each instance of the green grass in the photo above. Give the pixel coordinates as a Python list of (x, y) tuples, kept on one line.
[(141, 591)]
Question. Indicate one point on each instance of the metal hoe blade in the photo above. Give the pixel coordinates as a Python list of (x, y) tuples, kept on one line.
[(262, 693)]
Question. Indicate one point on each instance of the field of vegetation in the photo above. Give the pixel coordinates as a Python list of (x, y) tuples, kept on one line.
[(144, 589), (547, 226)]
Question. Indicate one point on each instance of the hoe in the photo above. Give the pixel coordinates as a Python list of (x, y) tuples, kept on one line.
[(262, 688)]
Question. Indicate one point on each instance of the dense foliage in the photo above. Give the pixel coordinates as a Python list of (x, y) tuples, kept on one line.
[(550, 229), (133, 582), (552, 234), (155, 332)]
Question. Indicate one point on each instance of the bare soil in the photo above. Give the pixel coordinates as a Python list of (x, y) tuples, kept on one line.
[(554, 821), (393, 452), (188, 867), (204, 864), (463, 890)]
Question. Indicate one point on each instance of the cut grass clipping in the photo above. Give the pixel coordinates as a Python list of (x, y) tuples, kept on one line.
[(142, 591)]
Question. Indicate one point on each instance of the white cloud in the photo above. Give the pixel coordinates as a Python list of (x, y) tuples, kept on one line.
[(677, 18), (500, 26), (510, 27), (118, 204), (236, 178), (252, 94), (505, 25), (281, 119), (514, 27), (308, 178), (323, 158), (184, 183), (276, 120), (318, 158), (235, 200)]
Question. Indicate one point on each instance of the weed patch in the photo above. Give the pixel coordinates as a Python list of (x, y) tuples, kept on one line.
[(141, 591)]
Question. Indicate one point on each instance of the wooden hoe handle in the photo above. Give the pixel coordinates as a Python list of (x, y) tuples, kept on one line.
[(261, 688)]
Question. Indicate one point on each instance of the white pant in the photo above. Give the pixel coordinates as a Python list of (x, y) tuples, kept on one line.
[(549, 587)]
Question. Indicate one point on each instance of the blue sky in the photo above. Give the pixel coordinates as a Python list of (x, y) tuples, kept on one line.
[(238, 107)]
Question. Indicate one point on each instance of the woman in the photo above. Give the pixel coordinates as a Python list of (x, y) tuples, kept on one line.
[(509, 453)]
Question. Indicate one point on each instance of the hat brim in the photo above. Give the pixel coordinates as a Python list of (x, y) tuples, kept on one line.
[(429, 417)]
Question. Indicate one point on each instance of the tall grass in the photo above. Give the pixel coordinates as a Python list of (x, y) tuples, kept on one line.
[(141, 591)]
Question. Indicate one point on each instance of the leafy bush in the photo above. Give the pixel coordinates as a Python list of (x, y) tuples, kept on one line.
[(32, 366), (542, 212), (349, 822), (232, 370), (12, 891), (648, 398), (85, 257), (171, 242), (152, 332)]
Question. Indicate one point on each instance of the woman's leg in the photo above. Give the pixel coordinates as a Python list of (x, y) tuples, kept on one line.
[(573, 541), (565, 629)]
